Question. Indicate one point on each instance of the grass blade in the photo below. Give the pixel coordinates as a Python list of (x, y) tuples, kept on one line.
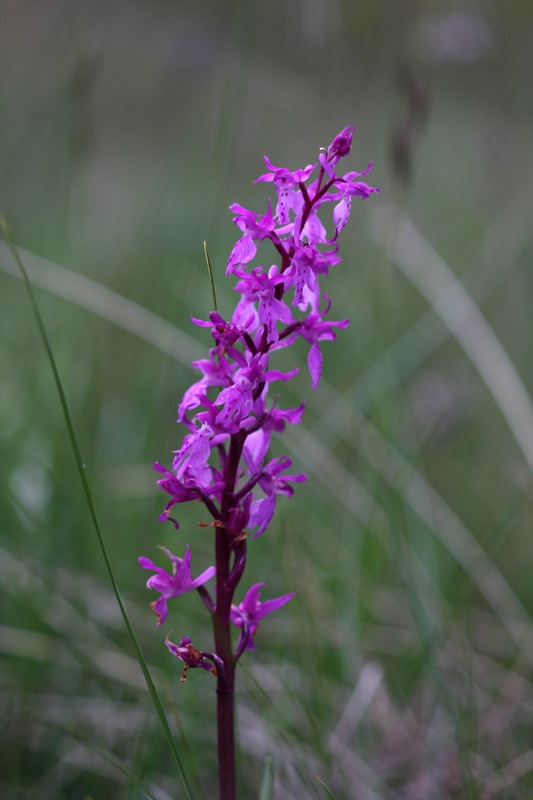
[(431, 275), (211, 279), (107, 304), (134, 781), (329, 792), (92, 509), (267, 784)]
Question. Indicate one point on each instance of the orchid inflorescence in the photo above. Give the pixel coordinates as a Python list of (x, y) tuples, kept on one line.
[(223, 460)]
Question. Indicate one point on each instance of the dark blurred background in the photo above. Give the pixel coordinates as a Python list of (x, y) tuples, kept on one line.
[(403, 669)]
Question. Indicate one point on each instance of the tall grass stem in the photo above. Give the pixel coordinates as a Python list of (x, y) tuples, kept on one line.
[(92, 508)]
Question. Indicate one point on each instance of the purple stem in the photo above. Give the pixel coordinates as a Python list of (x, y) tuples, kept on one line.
[(226, 585), (226, 678)]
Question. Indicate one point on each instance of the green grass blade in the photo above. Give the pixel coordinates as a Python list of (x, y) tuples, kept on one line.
[(134, 781), (92, 509), (107, 304), (267, 784), (435, 280), (211, 279), (328, 790)]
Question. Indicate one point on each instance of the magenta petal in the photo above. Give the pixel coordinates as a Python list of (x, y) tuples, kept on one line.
[(146, 563), (161, 609), (261, 513), (272, 605), (250, 612), (314, 362), (251, 599), (204, 577), (243, 252), (341, 213)]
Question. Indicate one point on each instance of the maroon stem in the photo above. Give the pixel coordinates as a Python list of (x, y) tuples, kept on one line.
[(225, 682), (221, 629)]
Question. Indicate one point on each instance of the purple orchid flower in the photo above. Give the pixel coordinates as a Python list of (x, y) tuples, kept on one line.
[(307, 264), (226, 334), (238, 398), (236, 426), (286, 182), (258, 441), (254, 228), (272, 483), (314, 330), (169, 585), (261, 287), (217, 371), (222, 462), (248, 614), (183, 491), (350, 187), (190, 461)]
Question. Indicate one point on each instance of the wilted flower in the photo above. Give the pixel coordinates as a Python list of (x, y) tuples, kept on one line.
[(191, 657)]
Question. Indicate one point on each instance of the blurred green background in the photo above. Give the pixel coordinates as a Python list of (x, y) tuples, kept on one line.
[(404, 667)]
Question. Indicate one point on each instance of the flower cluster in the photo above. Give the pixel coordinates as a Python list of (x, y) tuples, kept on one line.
[(223, 460)]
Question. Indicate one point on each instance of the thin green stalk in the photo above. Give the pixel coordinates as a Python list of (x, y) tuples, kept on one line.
[(211, 279), (328, 790), (92, 510), (134, 781), (267, 785)]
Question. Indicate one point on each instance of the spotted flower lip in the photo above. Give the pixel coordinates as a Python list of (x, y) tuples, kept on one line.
[(172, 584)]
